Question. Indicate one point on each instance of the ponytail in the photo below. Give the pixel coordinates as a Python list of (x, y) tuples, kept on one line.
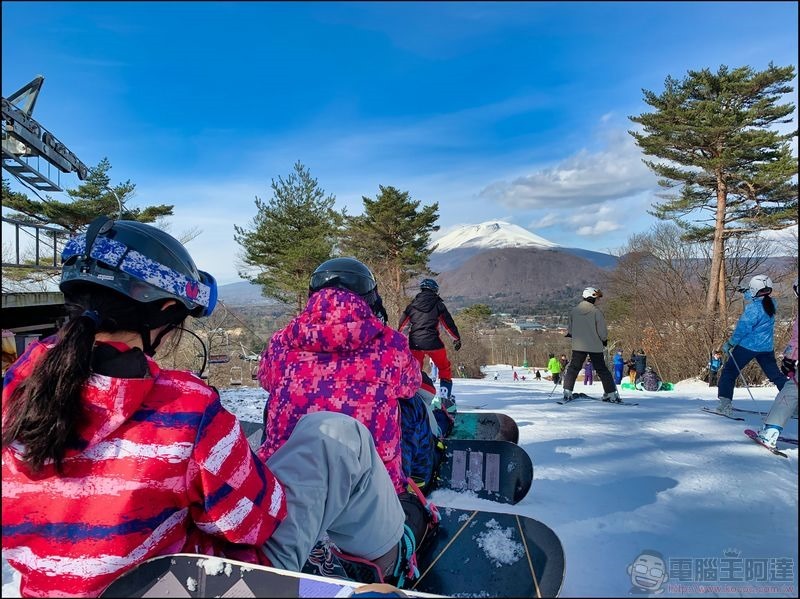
[(769, 306), (46, 408)]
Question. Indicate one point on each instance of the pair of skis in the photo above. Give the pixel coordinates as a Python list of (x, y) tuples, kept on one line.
[(753, 434), (584, 396)]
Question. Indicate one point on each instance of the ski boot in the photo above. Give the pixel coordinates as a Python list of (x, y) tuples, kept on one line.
[(612, 397), (725, 407), (567, 395), (769, 434)]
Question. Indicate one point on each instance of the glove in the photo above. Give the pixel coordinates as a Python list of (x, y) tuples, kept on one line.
[(727, 347), (457, 344), (605, 343), (788, 366)]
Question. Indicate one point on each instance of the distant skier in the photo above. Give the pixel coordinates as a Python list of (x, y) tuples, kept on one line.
[(753, 338), (538, 376), (554, 366), (619, 366), (785, 403), (587, 328), (587, 372), (714, 365), (425, 314), (516, 376), (640, 362)]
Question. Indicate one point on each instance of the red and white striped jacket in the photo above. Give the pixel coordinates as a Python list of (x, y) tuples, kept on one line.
[(165, 468)]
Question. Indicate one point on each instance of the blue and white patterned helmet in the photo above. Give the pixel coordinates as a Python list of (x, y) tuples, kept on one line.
[(139, 261), (429, 284)]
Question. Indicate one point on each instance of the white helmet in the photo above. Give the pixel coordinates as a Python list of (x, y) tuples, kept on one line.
[(760, 285), (592, 292)]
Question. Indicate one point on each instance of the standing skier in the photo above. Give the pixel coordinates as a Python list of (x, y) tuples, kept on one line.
[(753, 338), (554, 366), (785, 403), (619, 365), (714, 364), (587, 328), (110, 459), (425, 314), (587, 372)]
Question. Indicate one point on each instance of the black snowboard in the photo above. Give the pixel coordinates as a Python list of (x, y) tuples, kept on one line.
[(488, 426), (496, 470), (472, 554)]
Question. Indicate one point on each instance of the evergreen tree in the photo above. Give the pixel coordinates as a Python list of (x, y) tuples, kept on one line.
[(291, 234), (392, 237), (735, 171), (94, 197)]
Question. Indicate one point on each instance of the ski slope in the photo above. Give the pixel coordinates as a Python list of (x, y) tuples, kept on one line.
[(614, 480)]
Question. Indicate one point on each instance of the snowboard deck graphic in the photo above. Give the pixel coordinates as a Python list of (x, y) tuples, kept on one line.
[(710, 411), (471, 553), (193, 575), (489, 426), (484, 554), (495, 470), (584, 396), (754, 436)]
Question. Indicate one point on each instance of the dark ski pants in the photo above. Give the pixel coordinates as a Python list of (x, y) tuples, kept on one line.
[(599, 362), (713, 378), (742, 357)]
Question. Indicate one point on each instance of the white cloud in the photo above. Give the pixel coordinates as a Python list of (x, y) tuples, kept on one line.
[(585, 178), (599, 228)]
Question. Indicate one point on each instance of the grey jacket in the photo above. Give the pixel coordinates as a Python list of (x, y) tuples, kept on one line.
[(587, 327)]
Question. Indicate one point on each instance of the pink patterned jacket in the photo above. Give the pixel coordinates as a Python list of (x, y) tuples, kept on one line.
[(336, 356)]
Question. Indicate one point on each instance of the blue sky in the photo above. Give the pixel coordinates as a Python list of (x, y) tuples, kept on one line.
[(513, 111)]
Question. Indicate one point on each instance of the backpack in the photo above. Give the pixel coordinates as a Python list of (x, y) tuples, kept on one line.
[(420, 455)]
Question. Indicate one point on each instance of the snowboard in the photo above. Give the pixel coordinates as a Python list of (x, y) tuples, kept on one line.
[(754, 436), (471, 554), (489, 426), (193, 575), (495, 470)]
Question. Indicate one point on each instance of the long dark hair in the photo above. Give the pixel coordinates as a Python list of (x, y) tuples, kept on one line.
[(769, 306), (45, 411)]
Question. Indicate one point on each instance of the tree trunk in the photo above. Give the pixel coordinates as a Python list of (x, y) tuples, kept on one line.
[(717, 249)]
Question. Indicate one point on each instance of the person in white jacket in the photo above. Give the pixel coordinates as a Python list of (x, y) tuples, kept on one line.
[(587, 328), (785, 403)]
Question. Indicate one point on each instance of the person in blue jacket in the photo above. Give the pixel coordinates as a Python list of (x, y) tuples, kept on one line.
[(751, 339), (714, 364), (619, 366)]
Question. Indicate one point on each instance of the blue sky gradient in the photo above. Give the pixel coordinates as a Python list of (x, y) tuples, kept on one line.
[(514, 111)]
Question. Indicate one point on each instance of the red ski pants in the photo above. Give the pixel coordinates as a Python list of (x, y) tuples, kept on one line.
[(438, 357)]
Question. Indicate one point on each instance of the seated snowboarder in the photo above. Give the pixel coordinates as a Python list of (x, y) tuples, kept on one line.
[(337, 355), (110, 459), (649, 381)]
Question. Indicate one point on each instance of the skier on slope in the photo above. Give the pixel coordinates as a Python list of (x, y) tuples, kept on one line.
[(619, 365), (587, 328), (338, 356), (554, 366), (785, 403), (425, 314), (109, 460), (751, 339)]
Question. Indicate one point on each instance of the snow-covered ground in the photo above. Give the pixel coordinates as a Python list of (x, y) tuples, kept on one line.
[(615, 481)]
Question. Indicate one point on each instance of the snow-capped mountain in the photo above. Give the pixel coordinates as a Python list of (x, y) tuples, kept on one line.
[(490, 235)]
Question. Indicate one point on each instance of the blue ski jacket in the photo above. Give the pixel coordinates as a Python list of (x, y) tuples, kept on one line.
[(755, 329)]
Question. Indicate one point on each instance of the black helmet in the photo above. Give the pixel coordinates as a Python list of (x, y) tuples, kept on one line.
[(139, 261), (344, 273), (429, 284)]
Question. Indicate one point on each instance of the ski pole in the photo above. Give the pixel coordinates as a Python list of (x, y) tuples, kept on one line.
[(551, 392), (741, 376)]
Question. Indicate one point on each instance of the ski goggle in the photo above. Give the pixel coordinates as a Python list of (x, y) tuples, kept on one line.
[(199, 296), (346, 280)]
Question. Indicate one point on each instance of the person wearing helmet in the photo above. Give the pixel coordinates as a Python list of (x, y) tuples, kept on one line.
[(338, 355), (425, 314), (752, 339), (587, 328), (785, 403), (108, 459)]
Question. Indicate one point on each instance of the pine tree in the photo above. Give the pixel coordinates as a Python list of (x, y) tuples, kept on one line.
[(291, 234), (93, 198), (392, 238), (715, 132)]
